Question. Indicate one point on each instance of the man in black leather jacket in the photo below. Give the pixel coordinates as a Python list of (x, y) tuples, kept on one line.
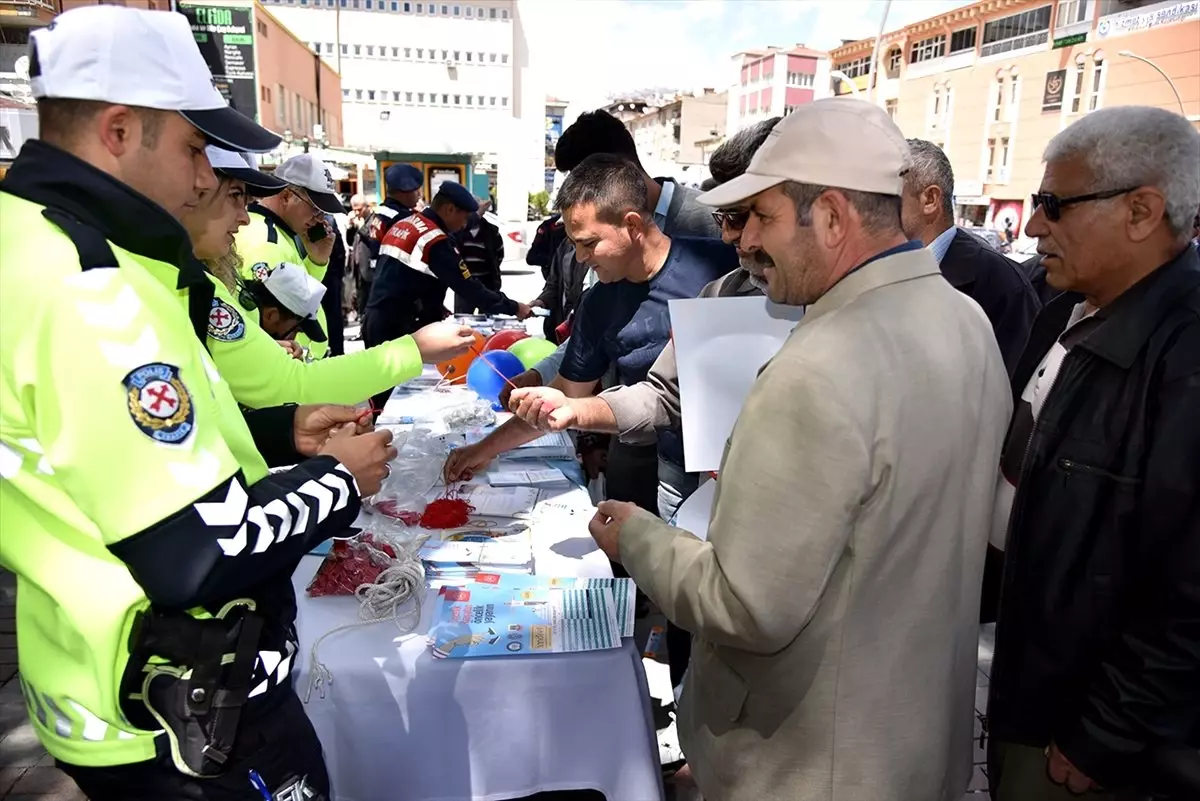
[(1097, 662)]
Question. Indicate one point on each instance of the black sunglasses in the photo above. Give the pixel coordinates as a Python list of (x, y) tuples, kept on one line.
[(1053, 205), (736, 220)]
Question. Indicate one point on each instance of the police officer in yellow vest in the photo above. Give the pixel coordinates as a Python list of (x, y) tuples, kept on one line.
[(152, 547), (291, 227)]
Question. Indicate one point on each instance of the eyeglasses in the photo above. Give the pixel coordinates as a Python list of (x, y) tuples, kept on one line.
[(304, 196), (1053, 205), (736, 219)]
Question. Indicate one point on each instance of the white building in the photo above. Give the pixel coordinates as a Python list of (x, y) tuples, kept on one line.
[(433, 77), (773, 82)]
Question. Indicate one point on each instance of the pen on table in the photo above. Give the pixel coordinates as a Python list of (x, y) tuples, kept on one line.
[(257, 782)]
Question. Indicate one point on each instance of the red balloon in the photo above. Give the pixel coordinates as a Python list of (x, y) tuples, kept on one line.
[(502, 339)]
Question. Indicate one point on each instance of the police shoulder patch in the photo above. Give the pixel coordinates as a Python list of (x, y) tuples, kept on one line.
[(260, 271), (225, 323), (159, 404)]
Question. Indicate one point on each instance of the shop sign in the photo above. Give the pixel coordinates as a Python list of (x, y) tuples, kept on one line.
[(1142, 19), (1052, 94)]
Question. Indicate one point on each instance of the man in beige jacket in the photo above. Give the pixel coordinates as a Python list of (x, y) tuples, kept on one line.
[(835, 601)]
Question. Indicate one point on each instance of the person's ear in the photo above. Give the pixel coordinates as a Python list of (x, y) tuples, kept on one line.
[(120, 130), (931, 200), (1146, 209), (634, 225)]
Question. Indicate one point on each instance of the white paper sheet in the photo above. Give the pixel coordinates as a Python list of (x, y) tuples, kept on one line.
[(720, 345), (693, 514)]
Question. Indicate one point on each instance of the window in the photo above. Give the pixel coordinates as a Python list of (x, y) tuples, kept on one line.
[(420, 52), (890, 105), (458, 100), (1097, 74), (1012, 91), (802, 79), (493, 101), (408, 97), (395, 97), (420, 8), (991, 158), (345, 94), (479, 13), (1003, 154), (370, 50), (420, 97), (962, 40), (854, 69), (999, 98), (504, 58), (469, 54), (491, 13), (445, 11), (1072, 11), (370, 94), (265, 94), (445, 55), (458, 11), (358, 50), (1077, 97), (345, 50), (1016, 31), (480, 57), (926, 49), (407, 7), (894, 59), (395, 52), (408, 52), (395, 5), (367, 4), (504, 101), (493, 57), (445, 100), (456, 55), (358, 94), (504, 15), (329, 48)]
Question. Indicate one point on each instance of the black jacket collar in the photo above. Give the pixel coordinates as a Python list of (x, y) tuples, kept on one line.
[(396, 205), (1131, 319), (51, 177)]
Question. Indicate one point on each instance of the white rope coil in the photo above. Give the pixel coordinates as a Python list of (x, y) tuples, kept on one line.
[(383, 599)]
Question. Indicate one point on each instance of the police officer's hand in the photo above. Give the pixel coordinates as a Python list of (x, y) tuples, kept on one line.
[(524, 310), (314, 423), (439, 342), (464, 462), (321, 251), (366, 456), (529, 378), (294, 350)]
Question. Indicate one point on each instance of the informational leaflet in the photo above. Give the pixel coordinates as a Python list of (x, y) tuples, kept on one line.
[(555, 445), (623, 589), (469, 622), (544, 477), (720, 346)]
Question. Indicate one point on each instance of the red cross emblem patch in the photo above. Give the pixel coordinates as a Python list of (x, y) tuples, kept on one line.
[(159, 403), (224, 322)]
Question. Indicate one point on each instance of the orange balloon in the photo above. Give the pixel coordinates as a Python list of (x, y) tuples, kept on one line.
[(455, 370), (502, 339)]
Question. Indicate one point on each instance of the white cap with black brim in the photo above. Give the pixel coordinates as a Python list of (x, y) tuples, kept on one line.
[(241, 167), (132, 57)]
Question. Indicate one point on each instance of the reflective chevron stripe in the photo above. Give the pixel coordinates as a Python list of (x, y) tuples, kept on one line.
[(279, 518)]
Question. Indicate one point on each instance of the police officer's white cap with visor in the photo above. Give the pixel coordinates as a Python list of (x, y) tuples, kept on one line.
[(243, 167), (131, 57), (307, 172), (299, 293)]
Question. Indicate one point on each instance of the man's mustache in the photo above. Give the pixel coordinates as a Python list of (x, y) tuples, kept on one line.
[(757, 260)]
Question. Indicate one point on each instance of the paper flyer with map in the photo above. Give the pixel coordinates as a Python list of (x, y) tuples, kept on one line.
[(474, 622)]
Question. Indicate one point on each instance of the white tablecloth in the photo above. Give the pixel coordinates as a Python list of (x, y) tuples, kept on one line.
[(398, 725)]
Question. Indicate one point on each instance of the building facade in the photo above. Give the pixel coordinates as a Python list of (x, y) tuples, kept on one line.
[(772, 82), (672, 133), (431, 77), (993, 82)]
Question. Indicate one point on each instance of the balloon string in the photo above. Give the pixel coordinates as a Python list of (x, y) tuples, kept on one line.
[(495, 369)]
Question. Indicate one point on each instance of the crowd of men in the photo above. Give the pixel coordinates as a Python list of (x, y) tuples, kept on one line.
[(934, 445)]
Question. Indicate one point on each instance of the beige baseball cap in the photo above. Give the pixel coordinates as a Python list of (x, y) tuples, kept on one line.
[(837, 142)]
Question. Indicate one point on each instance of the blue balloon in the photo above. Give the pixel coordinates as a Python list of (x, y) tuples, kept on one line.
[(488, 372)]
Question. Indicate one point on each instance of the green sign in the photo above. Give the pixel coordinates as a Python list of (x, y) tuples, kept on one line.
[(225, 36), (1073, 39)]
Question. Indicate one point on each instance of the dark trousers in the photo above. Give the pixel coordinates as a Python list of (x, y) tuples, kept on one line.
[(279, 745), (383, 325), (364, 295)]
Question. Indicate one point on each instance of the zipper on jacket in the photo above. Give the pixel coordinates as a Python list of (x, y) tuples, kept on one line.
[(1072, 466)]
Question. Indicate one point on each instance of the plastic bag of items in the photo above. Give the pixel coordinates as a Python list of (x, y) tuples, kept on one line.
[(414, 471), (351, 564)]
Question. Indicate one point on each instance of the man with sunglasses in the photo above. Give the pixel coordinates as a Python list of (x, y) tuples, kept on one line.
[(292, 227), (1097, 660)]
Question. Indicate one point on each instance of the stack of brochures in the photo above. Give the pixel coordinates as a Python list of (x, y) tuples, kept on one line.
[(477, 620), (461, 557), (623, 589), (555, 445)]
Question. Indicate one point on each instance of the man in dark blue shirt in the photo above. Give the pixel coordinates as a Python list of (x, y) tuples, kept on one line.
[(623, 322)]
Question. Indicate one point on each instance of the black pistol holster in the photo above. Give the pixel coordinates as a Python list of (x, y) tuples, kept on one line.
[(193, 676)]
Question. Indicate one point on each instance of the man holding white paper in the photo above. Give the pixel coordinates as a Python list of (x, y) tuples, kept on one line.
[(834, 604)]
